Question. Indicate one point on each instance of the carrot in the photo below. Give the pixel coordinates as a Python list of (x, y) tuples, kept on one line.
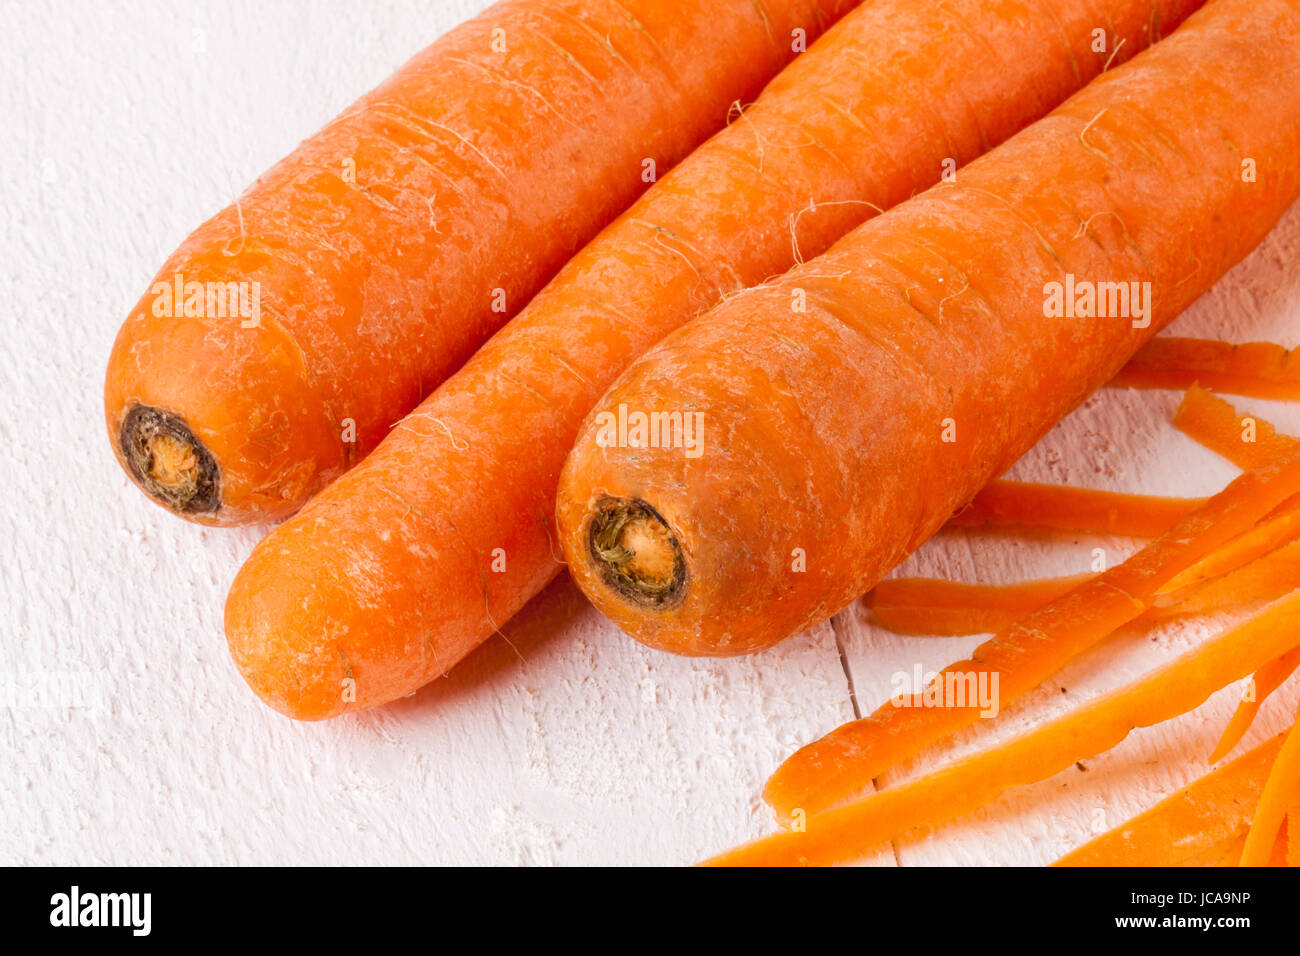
[(852, 405), (947, 609), (1277, 529), (393, 574), (1199, 819), (939, 608), (1230, 854), (843, 834), (1292, 835), (1063, 508), (1264, 579), (1268, 679), (1225, 854), (283, 338), (1280, 792), (1245, 440), (1255, 369), (845, 761)]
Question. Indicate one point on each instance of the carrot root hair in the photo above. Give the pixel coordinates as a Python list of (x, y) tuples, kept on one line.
[(169, 462)]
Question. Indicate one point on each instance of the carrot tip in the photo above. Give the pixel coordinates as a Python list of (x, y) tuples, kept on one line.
[(169, 462), (636, 553)]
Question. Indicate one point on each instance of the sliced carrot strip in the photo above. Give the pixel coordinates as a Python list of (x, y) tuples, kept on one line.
[(846, 833), (1279, 528), (1293, 834), (946, 608), (1063, 508), (1247, 441), (934, 607), (1254, 369), (1264, 579), (844, 762), (1227, 853), (1199, 819), (1268, 679), (1279, 793)]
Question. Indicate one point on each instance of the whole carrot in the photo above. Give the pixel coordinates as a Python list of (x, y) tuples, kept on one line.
[(850, 407), (410, 561), (287, 334)]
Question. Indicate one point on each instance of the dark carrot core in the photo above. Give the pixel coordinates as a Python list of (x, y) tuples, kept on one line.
[(637, 554), (168, 462)]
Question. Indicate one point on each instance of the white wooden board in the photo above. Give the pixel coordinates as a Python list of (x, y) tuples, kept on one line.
[(126, 736)]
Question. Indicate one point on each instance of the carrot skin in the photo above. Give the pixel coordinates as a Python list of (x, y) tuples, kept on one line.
[(387, 247), (923, 364), (1245, 440), (949, 609), (1065, 508), (420, 552), (1255, 369)]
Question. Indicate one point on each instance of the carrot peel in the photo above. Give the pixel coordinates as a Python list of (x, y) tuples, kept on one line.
[(844, 833)]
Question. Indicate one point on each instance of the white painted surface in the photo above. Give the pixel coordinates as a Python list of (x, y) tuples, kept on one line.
[(126, 737)]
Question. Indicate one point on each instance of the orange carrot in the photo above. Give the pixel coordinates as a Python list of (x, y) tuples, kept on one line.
[(393, 574), (1063, 508), (285, 336), (1277, 529), (852, 405), (947, 608), (1293, 833), (1268, 679), (1280, 792), (1226, 853), (845, 761), (846, 833), (1265, 579), (1256, 369), (939, 608), (1199, 819), (1230, 854), (1245, 440)]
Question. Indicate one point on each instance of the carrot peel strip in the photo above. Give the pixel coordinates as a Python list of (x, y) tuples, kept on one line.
[(1247, 441), (1254, 369), (1268, 679), (847, 832), (946, 608), (1197, 821), (1279, 793), (1063, 508)]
